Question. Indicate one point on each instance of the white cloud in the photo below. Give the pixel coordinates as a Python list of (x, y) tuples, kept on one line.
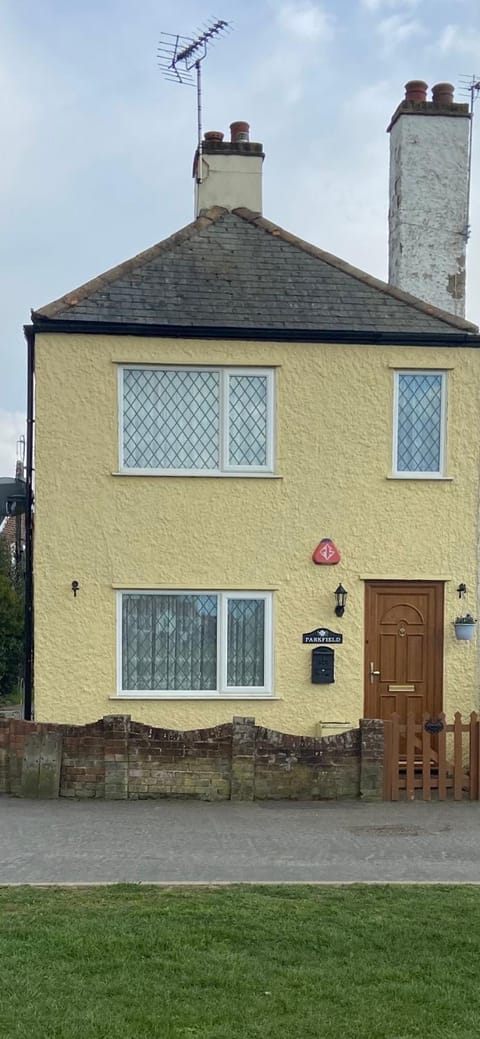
[(306, 21), (12, 425), (301, 29), (396, 29), (371, 102), (384, 5), (453, 38), (397, 22)]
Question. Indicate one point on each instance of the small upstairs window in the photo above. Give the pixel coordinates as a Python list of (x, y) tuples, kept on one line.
[(196, 420), (419, 424)]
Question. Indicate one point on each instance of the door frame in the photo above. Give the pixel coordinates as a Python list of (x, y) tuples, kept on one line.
[(439, 657)]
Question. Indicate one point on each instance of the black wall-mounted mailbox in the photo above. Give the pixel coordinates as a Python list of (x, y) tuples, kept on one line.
[(323, 660)]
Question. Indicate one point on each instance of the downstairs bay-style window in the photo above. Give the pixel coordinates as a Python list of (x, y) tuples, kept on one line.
[(194, 421), (419, 424), (194, 643)]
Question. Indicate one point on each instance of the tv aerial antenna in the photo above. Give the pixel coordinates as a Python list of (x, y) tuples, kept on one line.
[(181, 59), (470, 85)]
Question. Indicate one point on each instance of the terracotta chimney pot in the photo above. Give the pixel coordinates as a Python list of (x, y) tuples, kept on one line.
[(416, 90), (239, 131), (442, 94)]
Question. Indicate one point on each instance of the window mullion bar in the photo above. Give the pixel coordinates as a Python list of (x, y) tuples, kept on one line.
[(270, 424), (443, 424), (223, 421), (268, 643), (121, 392), (120, 646), (222, 643), (396, 388)]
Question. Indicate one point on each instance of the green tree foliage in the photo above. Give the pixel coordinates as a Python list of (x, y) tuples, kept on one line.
[(11, 624)]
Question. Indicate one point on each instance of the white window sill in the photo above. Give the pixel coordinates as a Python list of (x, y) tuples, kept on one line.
[(187, 474), (194, 696), (421, 476)]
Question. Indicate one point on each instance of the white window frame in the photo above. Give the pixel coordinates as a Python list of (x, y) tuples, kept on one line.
[(223, 690), (403, 474), (224, 468)]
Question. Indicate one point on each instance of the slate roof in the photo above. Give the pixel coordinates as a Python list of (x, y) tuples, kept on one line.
[(237, 269)]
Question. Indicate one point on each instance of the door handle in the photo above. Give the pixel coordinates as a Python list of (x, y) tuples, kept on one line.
[(373, 674)]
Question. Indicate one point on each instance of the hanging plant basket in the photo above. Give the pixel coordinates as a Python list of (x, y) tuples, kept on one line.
[(465, 627)]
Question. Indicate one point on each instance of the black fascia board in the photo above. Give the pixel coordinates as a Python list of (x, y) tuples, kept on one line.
[(299, 335)]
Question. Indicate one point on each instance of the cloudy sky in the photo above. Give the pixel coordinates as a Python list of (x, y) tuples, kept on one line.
[(97, 149)]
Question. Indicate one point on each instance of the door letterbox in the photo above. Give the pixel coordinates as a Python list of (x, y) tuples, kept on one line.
[(323, 665)]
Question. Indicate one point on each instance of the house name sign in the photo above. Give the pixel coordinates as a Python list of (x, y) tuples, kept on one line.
[(322, 636)]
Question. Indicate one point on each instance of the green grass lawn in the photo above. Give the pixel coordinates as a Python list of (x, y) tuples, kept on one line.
[(129, 962)]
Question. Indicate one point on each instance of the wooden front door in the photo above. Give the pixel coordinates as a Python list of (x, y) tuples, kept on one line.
[(403, 648)]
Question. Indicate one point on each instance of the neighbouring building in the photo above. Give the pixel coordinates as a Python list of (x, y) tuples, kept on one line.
[(12, 525), (210, 411)]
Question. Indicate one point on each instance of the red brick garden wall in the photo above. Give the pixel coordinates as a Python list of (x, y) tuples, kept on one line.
[(116, 758)]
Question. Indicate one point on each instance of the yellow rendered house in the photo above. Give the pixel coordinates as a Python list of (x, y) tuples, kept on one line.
[(216, 412)]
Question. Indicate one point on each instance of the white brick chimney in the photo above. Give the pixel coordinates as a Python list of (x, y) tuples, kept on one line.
[(428, 217), (229, 173)]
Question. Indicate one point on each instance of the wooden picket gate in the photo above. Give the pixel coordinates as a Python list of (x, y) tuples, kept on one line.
[(431, 757)]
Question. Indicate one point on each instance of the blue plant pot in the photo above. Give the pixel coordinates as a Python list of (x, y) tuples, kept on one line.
[(464, 632)]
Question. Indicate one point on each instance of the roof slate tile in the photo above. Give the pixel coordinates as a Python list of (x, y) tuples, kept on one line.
[(237, 269)]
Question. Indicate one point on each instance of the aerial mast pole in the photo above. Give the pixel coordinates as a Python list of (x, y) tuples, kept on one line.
[(470, 86), (181, 61)]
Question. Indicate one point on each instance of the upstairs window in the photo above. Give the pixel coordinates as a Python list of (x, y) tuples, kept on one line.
[(419, 424), (196, 420)]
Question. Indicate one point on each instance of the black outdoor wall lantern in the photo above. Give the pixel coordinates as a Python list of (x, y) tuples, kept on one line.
[(340, 599)]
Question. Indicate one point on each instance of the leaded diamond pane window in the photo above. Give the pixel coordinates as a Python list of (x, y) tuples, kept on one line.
[(245, 642), (248, 420), (196, 420), (198, 643), (169, 642), (170, 419), (420, 432)]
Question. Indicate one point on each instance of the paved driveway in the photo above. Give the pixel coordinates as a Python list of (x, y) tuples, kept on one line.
[(184, 841)]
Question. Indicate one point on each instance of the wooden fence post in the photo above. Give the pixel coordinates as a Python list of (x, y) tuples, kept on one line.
[(395, 755), (387, 759), (411, 756), (457, 757), (473, 757), (442, 760), (426, 747)]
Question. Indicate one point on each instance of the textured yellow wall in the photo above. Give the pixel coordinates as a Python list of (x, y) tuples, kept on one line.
[(334, 433)]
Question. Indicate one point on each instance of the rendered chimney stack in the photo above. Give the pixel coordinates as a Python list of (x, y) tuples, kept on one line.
[(428, 216), (229, 173)]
